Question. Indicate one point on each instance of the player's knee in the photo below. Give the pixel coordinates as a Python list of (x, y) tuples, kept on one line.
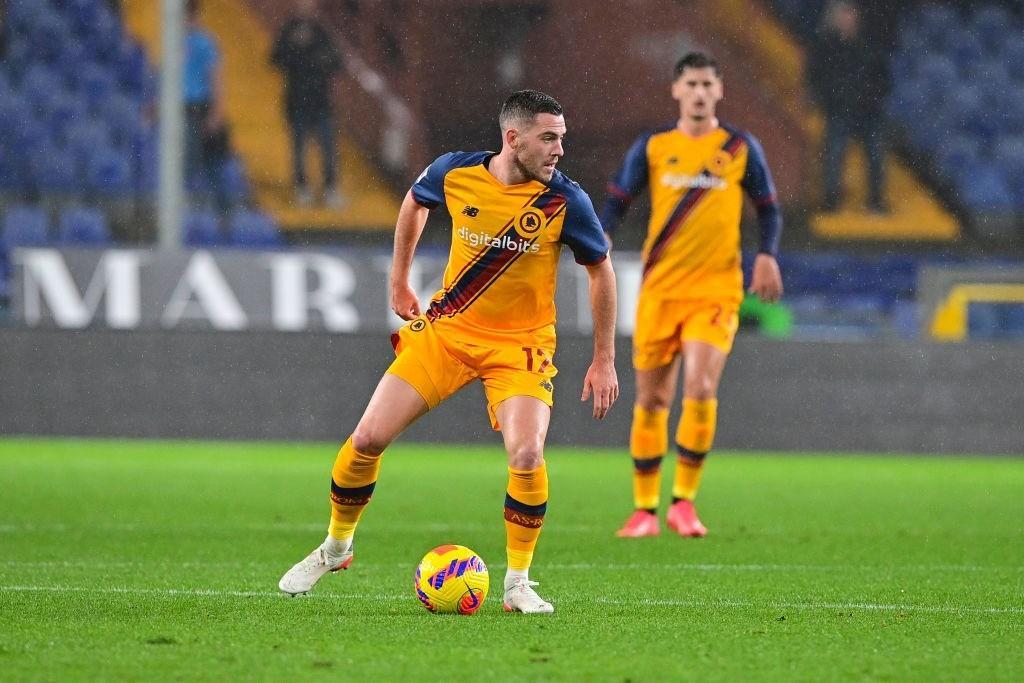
[(701, 388), (526, 456), (654, 402), (369, 439)]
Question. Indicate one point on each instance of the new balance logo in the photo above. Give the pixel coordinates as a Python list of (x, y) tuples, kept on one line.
[(470, 211)]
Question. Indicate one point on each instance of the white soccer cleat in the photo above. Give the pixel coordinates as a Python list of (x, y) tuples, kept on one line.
[(520, 597), (303, 576)]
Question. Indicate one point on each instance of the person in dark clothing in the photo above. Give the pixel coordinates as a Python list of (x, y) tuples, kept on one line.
[(206, 133), (308, 58), (848, 76)]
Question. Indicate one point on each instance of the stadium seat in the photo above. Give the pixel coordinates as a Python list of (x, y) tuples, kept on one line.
[(253, 229), (960, 152), (110, 174), (65, 111), (83, 227), (202, 229), (984, 189), (234, 184), (989, 23), (54, 170), (25, 226), (85, 138), (97, 85)]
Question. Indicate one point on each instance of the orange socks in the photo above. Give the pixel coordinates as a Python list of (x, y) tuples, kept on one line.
[(352, 481)]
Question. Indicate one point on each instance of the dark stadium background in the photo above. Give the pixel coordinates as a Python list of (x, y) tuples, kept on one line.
[(145, 314), (79, 113)]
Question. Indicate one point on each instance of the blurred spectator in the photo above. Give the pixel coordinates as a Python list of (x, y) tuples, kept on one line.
[(206, 134), (308, 58), (848, 76)]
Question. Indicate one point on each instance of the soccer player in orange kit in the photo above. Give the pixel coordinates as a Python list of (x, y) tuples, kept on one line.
[(697, 170), (493, 320)]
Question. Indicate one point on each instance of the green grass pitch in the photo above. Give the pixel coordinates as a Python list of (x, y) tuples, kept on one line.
[(155, 560)]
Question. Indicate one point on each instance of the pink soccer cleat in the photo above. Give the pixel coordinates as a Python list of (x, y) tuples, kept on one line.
[(682, 518), (641, 523)]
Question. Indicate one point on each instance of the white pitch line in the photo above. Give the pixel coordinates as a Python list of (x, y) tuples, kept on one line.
[(574, 566), (943, 609), (698, 604)]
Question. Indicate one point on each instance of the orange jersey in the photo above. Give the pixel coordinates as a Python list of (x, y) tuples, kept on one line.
[(499, 285), (692, 248)]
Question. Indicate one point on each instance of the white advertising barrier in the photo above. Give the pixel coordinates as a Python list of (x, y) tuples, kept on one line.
[(337, 290)]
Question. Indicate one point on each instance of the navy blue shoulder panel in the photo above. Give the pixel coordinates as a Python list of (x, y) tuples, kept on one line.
[(581, 230), (428, 190)]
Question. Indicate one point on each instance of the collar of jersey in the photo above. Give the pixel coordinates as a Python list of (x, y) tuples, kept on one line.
[(497, 183)]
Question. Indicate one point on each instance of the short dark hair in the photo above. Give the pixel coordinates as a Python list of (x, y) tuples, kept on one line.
[(523, 105), (695, 60), (192, 8)]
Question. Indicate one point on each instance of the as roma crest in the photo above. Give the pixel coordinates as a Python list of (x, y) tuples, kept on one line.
[(719, 162), (530, 222)]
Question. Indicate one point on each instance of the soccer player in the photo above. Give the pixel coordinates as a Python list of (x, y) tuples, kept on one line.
[(493, 320), (697, 169)]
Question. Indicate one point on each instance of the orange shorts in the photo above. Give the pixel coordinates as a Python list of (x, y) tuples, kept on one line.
[(664, 325), (437, 366)]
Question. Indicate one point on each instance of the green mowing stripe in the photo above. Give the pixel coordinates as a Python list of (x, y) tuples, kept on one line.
[(159, 560)]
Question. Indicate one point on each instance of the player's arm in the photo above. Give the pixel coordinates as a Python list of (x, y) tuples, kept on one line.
[(765, 279), (601, 379), (411, 219), (425, 194), (582, 232), (624, 186)]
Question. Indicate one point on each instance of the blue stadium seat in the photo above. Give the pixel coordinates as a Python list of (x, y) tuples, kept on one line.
[(86, 137), (97, 85), (961, 151), (110, 174), (144, 156), (25, 226), (202, 229), (83, 227), (990, 23), (985, 190), (65, 111), (253, 229), (73, 56), (41, 85), (54, 170), (132, 69), (1012, 55), (234, 183), (124, 117)]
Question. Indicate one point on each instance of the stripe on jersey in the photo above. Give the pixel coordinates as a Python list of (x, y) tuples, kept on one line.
[(491, 262), (684, 209)]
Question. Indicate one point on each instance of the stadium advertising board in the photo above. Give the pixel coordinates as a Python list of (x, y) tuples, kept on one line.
[(340, 291)]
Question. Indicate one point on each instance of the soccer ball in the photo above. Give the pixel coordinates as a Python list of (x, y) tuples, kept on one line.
[(451, 579)]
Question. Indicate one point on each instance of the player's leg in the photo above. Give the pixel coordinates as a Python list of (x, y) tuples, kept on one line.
[(394, 406), (695, 435), (656, 350), (648, 443), (422, 375), (524, 425)]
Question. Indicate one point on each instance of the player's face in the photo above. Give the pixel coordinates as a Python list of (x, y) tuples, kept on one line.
[(698, 91), (538, 148)]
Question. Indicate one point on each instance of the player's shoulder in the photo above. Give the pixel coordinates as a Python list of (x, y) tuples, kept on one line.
[(741, 133), (451, 160), (567, 187), (653, 133)]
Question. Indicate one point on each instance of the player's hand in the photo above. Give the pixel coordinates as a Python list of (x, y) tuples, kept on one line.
[(766, 280), (603, 383), (404, 301)]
